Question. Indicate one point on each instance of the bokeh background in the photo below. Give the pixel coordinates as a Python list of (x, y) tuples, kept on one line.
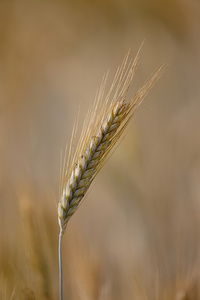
[(137, 234)]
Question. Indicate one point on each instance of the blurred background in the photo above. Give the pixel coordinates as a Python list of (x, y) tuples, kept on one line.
[(137, 234)]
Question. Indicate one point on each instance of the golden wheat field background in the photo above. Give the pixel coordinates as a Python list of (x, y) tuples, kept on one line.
[(137, 233)]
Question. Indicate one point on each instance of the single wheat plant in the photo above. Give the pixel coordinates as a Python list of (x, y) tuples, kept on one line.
[(103, 126)]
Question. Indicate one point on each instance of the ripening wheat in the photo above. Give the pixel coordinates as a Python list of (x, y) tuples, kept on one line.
[(103, 127)]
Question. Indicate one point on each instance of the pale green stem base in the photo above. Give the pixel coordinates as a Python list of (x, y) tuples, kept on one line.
[(60, 266)]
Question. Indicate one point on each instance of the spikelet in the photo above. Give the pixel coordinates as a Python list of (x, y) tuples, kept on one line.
[(102, 129)]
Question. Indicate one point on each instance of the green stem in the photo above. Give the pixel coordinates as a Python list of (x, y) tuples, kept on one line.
[(60, 266)]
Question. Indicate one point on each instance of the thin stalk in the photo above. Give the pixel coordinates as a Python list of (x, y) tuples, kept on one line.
[(60, 265)]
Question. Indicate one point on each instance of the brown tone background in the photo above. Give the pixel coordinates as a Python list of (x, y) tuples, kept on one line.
[(137, 234)]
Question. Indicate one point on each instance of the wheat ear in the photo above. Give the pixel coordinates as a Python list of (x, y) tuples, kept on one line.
[(103, 127)]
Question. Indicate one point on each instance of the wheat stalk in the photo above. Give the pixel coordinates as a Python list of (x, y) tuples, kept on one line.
[(103, 127)]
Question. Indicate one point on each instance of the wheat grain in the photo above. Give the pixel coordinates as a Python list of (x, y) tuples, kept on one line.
[(100, 134), (103, 127)]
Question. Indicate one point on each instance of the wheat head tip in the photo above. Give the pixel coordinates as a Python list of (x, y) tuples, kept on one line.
[(104, 124)]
